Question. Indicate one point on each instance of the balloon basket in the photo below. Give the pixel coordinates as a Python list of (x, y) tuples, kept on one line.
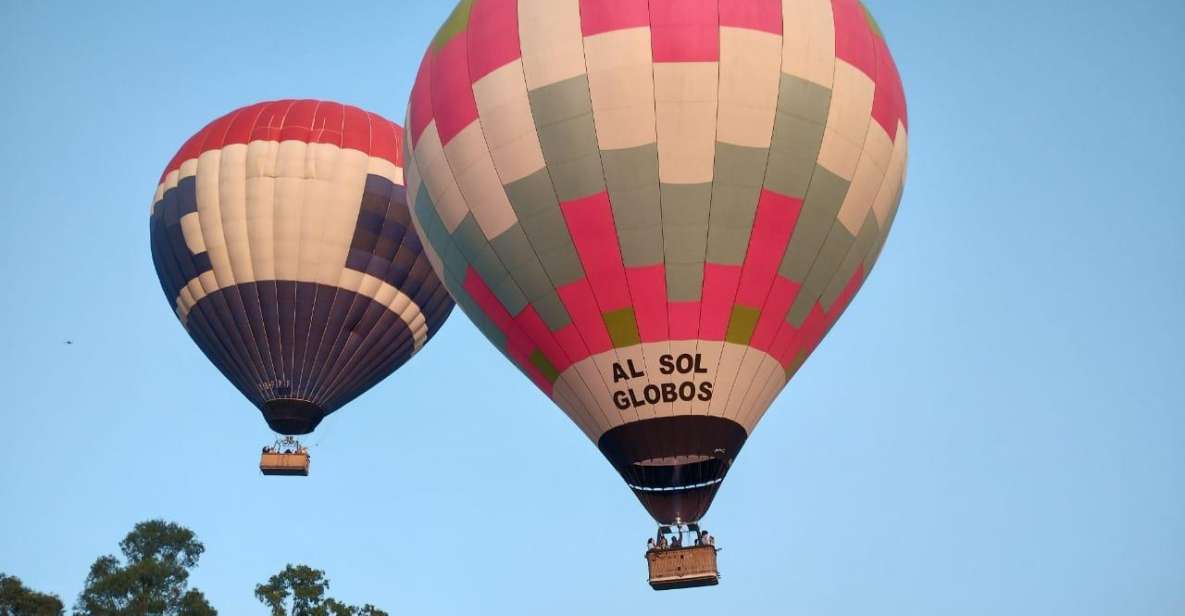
[(287, 458), (689, 567)]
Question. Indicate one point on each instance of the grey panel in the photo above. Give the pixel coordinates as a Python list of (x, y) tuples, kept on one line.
[(532, 194), (685, 282), (819, 210), (552, 311), (641, 246), (793, 155), (866, 240), (516, 254), (828, 260), (564, 119), (549, 237), (805, 99), (560, 101)]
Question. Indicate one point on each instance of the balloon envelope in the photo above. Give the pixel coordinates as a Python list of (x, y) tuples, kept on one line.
[(282, 239), (657, 208)]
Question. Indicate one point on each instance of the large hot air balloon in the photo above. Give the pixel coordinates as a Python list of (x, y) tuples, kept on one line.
[(656, 209), (282, 239)]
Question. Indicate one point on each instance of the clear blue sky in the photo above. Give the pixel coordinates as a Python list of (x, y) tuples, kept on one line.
[(997, 426)]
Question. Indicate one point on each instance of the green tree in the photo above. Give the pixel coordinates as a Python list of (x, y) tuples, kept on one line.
[(154, 579), (300, 591), (18, 600)]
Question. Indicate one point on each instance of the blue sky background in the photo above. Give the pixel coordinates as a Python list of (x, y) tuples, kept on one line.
[(997, 426)]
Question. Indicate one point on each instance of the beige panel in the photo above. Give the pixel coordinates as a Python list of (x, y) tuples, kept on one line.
[(588, 371), (621, 81), (383, 168), (191, 230), (552, 44), (683, 347), (749, 80), (247, 178), (193, 293), (710, 351), (878, 145), (847, 123), (506, 120), (726, 375), (222, 211), (808, 50), (581, 390), (894, 178), (654, 352), (685, 94), (603, 363), (768, 393), (867, 182), (574, 408), (750, 372), (480, 186), (342, 173), (751, 408), (438, 177)]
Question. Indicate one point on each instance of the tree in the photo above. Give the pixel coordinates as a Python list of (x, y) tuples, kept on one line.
[(154, 580), (18, 600), (300, 591)]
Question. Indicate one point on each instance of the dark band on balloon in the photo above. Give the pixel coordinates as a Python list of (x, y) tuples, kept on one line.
[(646, 454)]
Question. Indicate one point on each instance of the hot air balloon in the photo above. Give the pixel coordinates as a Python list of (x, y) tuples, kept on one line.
[(282, 239), (657, 208)]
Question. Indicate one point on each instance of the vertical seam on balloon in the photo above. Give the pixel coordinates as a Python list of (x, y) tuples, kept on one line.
[(836, 222), (609, 199), (302, 345), (806, 191), (662, 233), (546, 169), (753, 225), (324, 380), (305, 375), (244, 352)]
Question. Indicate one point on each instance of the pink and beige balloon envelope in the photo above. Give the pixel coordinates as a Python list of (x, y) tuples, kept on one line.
[(657, 208)]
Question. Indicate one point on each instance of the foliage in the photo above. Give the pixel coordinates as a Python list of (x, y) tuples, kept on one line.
[(153, 582), (18, 600), (300, 591)]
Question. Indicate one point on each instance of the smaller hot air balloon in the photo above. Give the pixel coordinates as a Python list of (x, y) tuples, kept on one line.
[(282, 239)]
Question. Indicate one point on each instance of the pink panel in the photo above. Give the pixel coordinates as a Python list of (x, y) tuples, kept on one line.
[(599, 16), (582, 306), (853, 36), (487, 301), (684, 321), (720, 288), (764, 15), (452, 92), (648, 288), (420, 105), (590, 221), (493, 36), (773, 313), (569, 339), (533, 326), (775, 220), (685, 30), (888, 104)]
